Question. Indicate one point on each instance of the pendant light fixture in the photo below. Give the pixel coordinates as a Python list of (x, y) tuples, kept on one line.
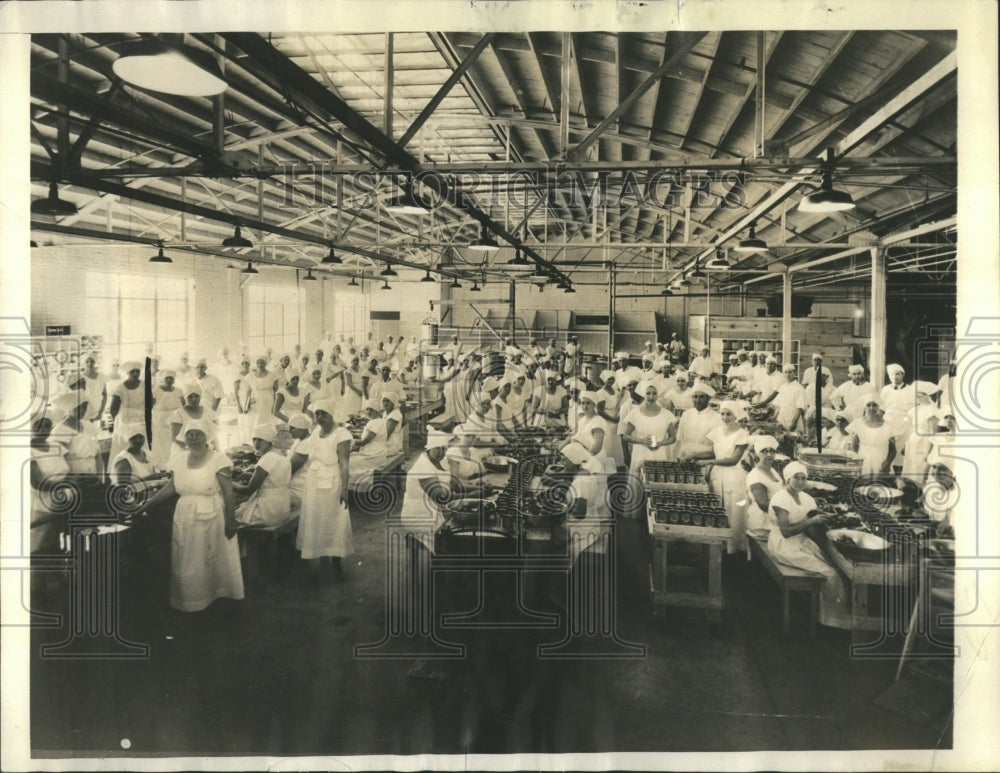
[(159, 257), (331, 259), (427, 276), (697, 273), (569, 289), (353, 282), (52, 204), (751, 243), (249, 269), (309, 276), (236, 240), (170, 68), (519, 259), (455, 285), (386, 286), (719, 262), (485, 242), (405, 203), (827, 199), (388, 270), (666, 291)]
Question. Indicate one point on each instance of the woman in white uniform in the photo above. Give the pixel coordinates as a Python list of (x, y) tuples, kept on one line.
[(267, 502), (795, 513), (300, 426), (288, 400), (48, 466), (464, 464), (791, 401), (763, 481), (428, 487), (591, 433), (134, 464), (204, 557), (263, 384), (873, 438), (76, 436), (369, 453), (550, 403), (695, 424), (393, 425), (325, 522), (649, 429), (168, 398), (609, 400), (128, 405), (727, 478), (192, 410), (350, 402)]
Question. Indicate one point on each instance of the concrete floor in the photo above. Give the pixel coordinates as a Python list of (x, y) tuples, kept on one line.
[(276, 675)]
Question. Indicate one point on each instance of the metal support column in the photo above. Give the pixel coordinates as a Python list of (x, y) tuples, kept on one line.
[(612, 291), (876, 362), (786, 319)]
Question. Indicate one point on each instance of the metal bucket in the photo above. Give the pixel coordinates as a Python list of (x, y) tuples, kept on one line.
[(430, 362), (829, 463), (429, 333)]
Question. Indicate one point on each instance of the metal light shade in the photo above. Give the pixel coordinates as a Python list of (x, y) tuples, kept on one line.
[(666, 291), (455, 285), (569, 289), (717, 264), (519, 259), (826, 199), (52, 204), (249, 269), (751, 243), (236, 240), (331, 259), (428, 277), (387, 271), (405, 203), (159, 257), (353, 282), (309, 276), (485, 242), (386, 285), (170, 69), (682, 282), (697, 273)]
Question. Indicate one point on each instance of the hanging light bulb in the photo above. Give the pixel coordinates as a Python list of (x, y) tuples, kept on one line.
[(827, 199), (331, 259), (455, 285), (236, 240), (388, 270), (427, 277), (52, 204), (485, 242), (309, 276), (386, 285), (353, 282), (718, 263), (159, 257), (249, 269), (751, 243)]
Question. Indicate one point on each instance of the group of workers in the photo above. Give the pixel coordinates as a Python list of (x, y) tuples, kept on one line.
[(606, 422)]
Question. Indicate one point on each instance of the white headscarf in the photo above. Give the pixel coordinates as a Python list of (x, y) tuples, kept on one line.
[(792, 468)]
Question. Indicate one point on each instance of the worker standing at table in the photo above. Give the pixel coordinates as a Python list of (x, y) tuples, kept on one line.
[(369, 452), (873, 438), (204, 557), (790, 401), (648, 429), (609, 400), (591, 433), (95, 385), (464, 466), (726, 476), (350, 402), (134, 464), (263, 385), (791, 543), (48, 466), (847, 396), (428, 487), (695, 424), (78, 437), (167, 399), (324, 521), (762, 482)]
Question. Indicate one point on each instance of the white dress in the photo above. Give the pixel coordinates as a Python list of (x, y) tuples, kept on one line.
[(291, 403), (801, 552), (420, 510), (137, 469), (81, 446), (873, 444), (164, 407), (269, 505), (350, 402), (791, 397), (760, 522), (263, 398), (52, 467), (612, 438), (730, 483), (204, 564), (394, 444), (693, 429), (324, 522), (131, 410), (94, 388), (645, 426), (371, 456)]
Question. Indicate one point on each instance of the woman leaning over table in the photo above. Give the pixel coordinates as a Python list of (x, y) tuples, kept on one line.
[(78, 437), (267, 502), (204, 557), (324, 521), (793, 543)]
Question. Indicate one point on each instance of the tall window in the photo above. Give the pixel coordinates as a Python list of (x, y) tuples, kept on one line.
[(350, 316), (273, 318), (133, 311)]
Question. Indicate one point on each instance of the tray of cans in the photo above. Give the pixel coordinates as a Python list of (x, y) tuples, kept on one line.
[(686, 508), (675, 476)]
